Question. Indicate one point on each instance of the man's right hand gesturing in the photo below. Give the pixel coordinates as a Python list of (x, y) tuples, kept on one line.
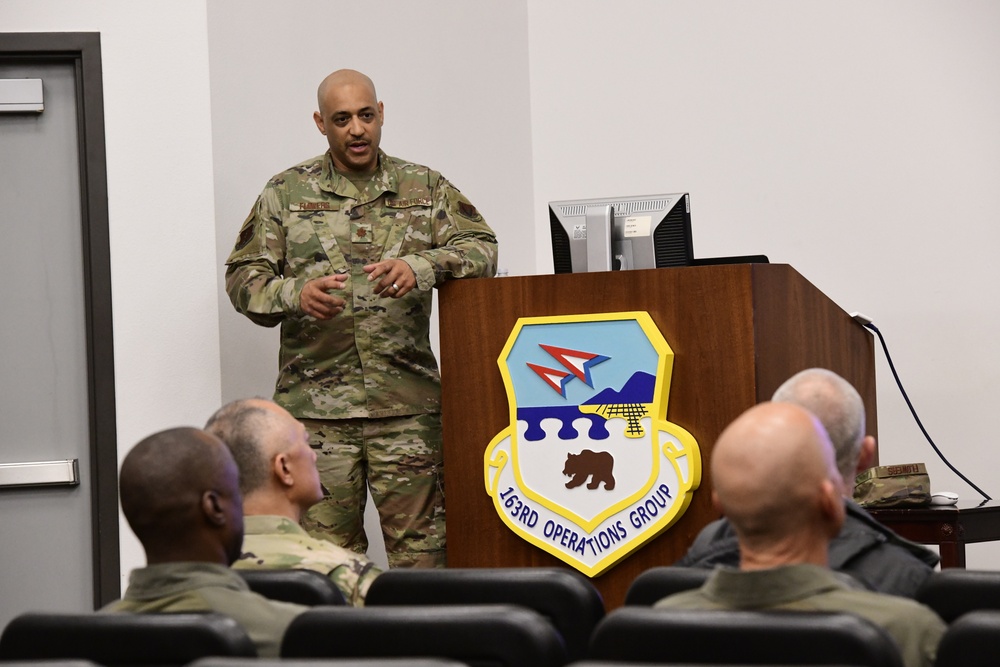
[(316, 300)]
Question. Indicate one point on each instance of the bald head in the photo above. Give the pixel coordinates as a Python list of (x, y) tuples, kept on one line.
[(773, 472), (350, 117), (837, 405), (341, 78), (179, 492)]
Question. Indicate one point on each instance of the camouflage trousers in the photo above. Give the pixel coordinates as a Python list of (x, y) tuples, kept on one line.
[(400, 460)]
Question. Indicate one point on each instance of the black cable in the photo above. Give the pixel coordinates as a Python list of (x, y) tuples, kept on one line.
[(885, 349)]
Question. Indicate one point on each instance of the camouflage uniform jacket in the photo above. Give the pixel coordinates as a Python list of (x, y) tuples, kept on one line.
[(374, 359), (278, 543), (196, 587)]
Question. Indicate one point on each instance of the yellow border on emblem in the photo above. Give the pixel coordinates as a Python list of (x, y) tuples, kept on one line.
[(688, 476), (661, 395)]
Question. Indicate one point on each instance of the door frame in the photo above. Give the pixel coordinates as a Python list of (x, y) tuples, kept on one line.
[(83, 50)]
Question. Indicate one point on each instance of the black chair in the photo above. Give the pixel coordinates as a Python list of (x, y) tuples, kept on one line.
[(320, 662), (123, 639), (566, 598), (306, 587), (657, 583), (954, 591), (973, 640), (479, 635), (640, 634), (606, 663)]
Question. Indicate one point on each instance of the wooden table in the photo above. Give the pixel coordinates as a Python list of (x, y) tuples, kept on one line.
[(950, 528)]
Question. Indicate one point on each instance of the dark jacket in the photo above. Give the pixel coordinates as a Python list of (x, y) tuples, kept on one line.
[(865, 549)]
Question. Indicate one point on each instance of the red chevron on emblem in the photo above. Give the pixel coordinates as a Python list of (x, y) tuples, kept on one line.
[(579, 363), (555, 378)]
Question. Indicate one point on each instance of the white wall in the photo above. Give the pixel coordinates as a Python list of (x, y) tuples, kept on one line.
[(158, 131), (855, 140)]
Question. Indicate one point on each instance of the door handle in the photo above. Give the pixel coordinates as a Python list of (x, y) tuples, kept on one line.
[(40, 473)]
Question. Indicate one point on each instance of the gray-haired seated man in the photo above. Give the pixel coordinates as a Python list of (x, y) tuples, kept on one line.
[(280, 482)]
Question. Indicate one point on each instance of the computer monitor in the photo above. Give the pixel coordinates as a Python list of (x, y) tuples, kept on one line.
[(621, 233)]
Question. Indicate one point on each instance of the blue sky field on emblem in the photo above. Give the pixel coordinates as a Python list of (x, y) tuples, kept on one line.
[(622, 341)]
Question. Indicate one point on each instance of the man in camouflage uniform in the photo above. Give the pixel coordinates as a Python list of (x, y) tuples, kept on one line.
[(279, 482), (342, 251)]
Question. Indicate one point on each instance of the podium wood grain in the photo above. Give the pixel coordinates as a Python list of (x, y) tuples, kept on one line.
[(737, 332)]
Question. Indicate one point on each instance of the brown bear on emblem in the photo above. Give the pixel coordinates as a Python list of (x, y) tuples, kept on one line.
[(596, 465)]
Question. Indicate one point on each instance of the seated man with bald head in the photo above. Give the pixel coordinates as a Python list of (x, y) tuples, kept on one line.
[(279, 482), (874, 555), (775, 477), (180, 494)]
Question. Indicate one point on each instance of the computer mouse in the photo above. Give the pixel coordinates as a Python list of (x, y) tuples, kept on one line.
[(944, 498)]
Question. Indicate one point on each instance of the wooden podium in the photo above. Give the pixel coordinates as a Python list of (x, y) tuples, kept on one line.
[(737, 332)]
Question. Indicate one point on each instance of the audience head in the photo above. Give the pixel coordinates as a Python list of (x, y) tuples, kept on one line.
[(277, 466), (180, 494), (839, 407), (775, 478)]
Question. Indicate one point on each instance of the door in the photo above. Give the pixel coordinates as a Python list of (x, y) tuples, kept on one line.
[(53, 555)]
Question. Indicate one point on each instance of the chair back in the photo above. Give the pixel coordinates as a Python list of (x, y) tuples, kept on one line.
[(954, 591), (566, 598), (972, 640), (478, 635), (317, 662), (115, 640), (305, 587), (642, 634), (657, 583), (614, 663)]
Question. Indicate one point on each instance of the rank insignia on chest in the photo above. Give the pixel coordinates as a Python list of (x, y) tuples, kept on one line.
[(361, 232)]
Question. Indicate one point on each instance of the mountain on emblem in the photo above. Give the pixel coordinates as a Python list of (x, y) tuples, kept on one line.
[(629, 403), (638, 389)]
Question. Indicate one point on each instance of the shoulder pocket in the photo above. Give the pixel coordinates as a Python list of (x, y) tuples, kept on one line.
[(250, 244)]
